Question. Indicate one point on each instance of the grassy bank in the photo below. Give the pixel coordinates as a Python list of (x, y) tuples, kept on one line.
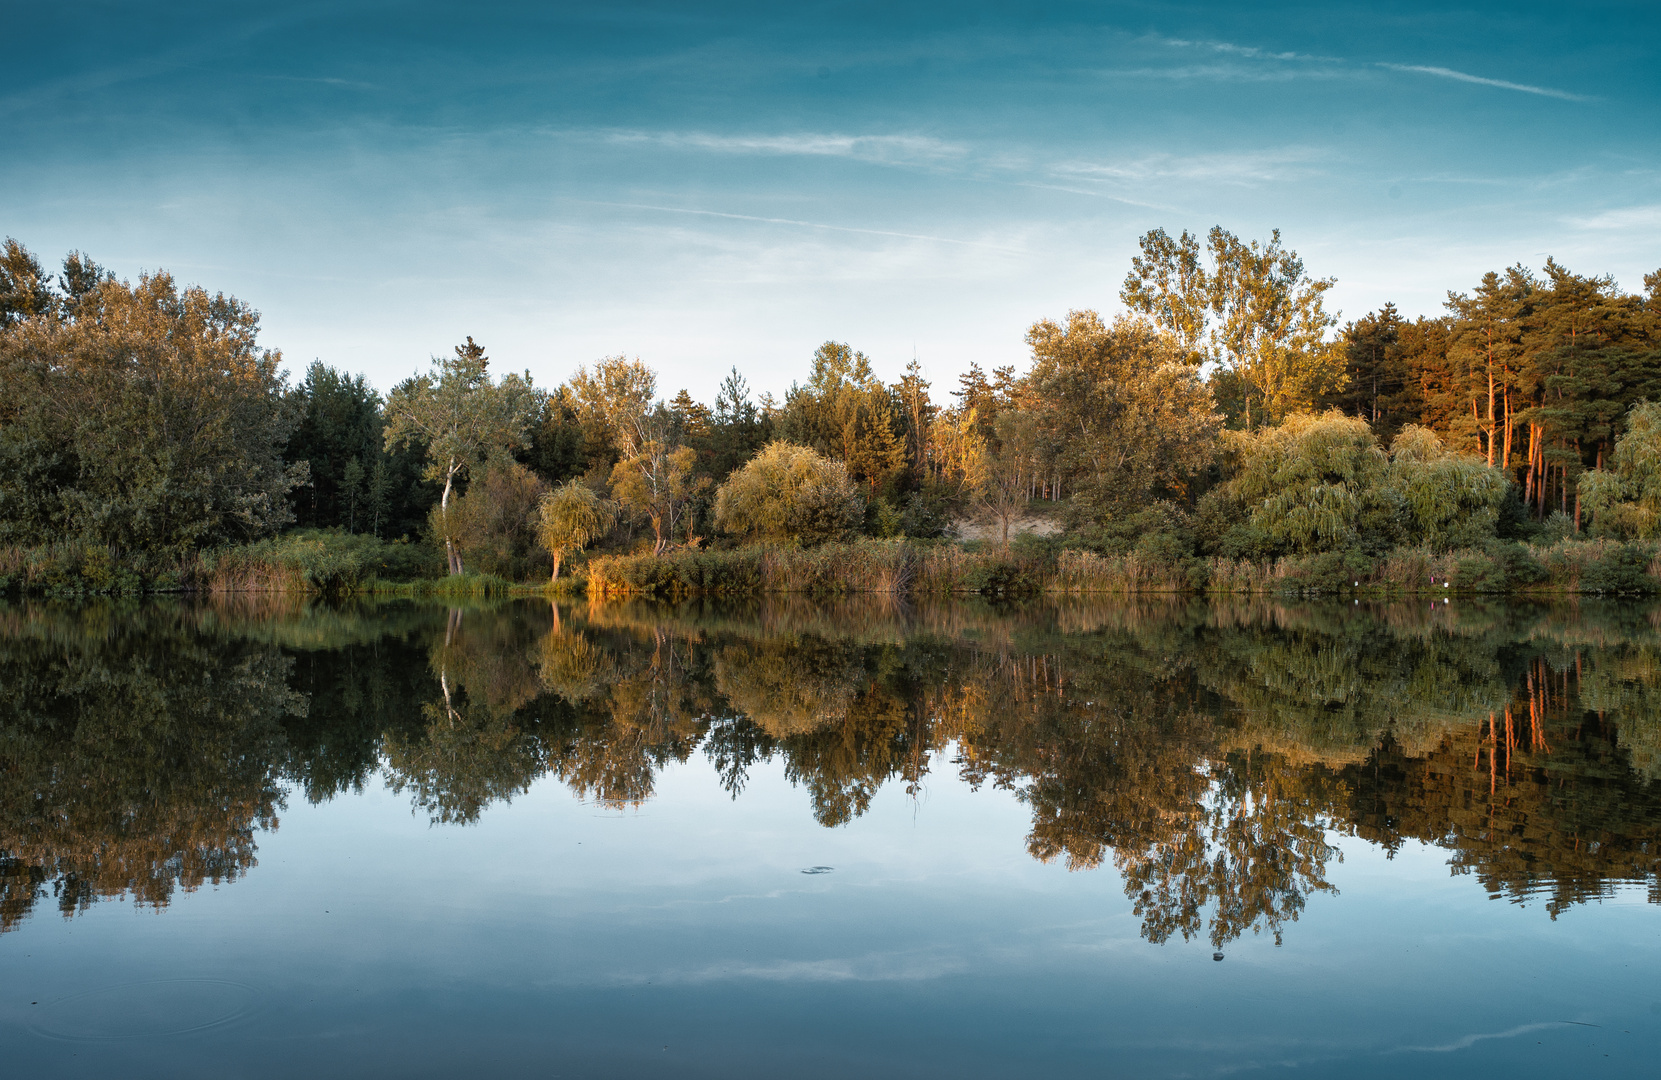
[(928, 569), (343, 564), (298, 562)]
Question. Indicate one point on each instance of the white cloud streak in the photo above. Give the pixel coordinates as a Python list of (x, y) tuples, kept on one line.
[(1252, 52), (1632, 217), (1227, 168), (882, 149), (1460, 76), (1249, 51), (803, 224)]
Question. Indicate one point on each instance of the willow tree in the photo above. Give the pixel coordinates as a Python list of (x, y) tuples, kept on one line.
[(1323, 483), (569, 518), (463, 419)]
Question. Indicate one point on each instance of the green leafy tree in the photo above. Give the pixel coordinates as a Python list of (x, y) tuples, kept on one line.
[(656, 481), (146, 419), (1170, 283), (25, 287), (611, 401), (1453, 499), (491, 521), (1122, 420), (1321, 483), (1306, 483), (1380, 385), (339, 423), (789, 494), (846, 413), (738, 428), (1003, 479), (1625, 498), (557, 450), (1254, 312), (464, 419), (569, 518)]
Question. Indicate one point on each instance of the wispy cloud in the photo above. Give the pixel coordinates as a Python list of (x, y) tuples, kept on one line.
[(1287, 65), (1630, 217), (1461, 76), (1225, 168), (885, 149), (1227, 72), (802, 224), (322, 79), (1251, 52)]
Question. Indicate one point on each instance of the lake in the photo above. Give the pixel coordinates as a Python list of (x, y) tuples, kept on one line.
[(254, 838)]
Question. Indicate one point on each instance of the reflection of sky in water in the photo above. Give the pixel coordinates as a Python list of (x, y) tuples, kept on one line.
[(557, 939)]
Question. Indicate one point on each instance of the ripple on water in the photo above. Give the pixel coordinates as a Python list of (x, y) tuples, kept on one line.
[(136, 1010)]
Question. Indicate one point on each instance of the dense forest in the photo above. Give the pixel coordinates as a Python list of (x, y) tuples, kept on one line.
[(1226, 420)]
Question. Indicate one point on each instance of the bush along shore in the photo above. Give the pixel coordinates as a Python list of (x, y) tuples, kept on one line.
[(321, 563), (1592, 567)]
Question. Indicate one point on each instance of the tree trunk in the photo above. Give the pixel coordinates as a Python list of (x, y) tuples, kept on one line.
[(1492, 427), (1509, 429), (1528, 483), (556, 568), (452, 557)]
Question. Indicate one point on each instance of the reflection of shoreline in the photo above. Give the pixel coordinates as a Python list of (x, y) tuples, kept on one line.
[(1203, 749)]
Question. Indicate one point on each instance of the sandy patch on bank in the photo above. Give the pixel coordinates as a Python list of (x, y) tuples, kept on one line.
[(989, 529)]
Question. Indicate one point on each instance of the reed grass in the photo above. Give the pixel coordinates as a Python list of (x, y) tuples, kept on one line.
[(332, 563)]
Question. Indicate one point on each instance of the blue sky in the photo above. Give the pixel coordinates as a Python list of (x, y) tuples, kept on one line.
[(708, 185)]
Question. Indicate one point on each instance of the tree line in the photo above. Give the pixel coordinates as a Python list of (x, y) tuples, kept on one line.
[(1226, 413)]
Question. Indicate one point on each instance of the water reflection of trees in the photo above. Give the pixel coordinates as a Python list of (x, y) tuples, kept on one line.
[(136, 757), (1209, 752)]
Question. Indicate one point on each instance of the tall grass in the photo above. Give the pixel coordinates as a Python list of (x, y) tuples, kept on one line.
[(863, 566), (316, 561), (339, 564)]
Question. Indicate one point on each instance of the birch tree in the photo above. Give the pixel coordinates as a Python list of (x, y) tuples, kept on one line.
[(463, 419)]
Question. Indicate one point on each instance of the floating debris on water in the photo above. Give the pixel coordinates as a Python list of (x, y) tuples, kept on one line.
[(1216, 956), (818, 869)]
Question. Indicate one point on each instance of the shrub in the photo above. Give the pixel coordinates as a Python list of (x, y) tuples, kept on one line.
[(491, 524), (789, 494), (1621, 569), (1625, 499)]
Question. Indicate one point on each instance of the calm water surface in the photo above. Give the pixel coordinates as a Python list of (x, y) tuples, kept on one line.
[(847, 840)]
